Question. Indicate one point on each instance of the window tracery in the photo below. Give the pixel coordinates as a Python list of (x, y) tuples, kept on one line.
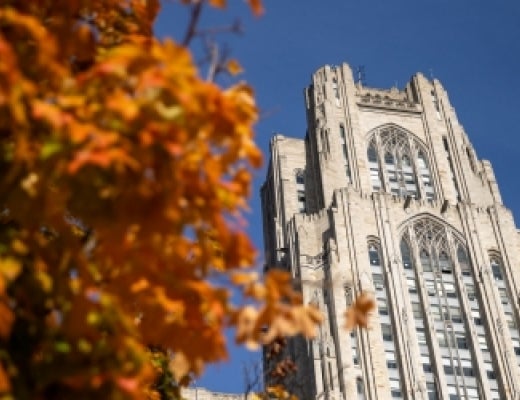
[(398, 164), (440, 252)]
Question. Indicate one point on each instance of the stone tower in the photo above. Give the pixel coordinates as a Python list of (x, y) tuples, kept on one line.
[(386, 195)]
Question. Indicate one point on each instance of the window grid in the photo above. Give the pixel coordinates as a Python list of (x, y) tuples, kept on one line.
[(374, 255), (398, 164), (419, 318), (435, 250), (497, 269)]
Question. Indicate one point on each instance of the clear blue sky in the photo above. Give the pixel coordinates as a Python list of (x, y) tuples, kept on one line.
[(471, 46)]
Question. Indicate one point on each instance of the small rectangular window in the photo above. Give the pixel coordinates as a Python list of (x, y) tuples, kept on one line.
[(386, 330)]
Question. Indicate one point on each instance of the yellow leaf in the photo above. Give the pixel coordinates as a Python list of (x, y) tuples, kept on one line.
[(45, 280), (10, 268), (168, 113), (29, 184), (19, 247), (233, 67)]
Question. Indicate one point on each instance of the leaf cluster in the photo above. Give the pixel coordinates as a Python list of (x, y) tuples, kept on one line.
[(124, 178)]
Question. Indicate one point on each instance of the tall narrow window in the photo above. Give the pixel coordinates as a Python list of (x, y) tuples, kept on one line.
[(462, 258), (343, 140), (383, 301), (335, 89), (406, 256), (446, 309), (497, 269), (300, 191), (418, 312), (426, 178), (476, 317), (375, 177), (450, 161)]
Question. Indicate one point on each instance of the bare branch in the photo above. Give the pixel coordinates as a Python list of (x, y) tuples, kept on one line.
[(235, 28), (194, 20)]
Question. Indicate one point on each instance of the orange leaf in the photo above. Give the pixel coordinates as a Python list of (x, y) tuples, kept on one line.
[(179, 366), (218, 3), (5, 384), (233, 67), (357, 314), (256, 6), (244, 278)]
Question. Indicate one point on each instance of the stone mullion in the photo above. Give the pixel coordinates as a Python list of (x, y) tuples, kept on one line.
[(434, 345), (487, 292), (395, 303), (411, 157), (420, 379), (414, 150), (452, 252), (365, 338), (395, 288), (385, 184), (503, 328), (506, 265), (468, 321), (454, 351)]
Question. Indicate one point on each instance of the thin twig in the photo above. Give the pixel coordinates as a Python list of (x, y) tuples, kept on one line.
[(194, 20)]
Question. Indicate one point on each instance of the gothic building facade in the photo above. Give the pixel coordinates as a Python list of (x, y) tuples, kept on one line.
[(386, 195)]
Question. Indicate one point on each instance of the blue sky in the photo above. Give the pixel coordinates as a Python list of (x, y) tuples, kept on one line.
[(471, 46)]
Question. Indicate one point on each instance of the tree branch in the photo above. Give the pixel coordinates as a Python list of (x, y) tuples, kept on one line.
[(194, 20)]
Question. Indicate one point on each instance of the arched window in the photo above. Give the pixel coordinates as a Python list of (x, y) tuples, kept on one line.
[(402, 164), (496, 268), (375, 176), (405, 255), (463, 260), (446, 305), (373, 254)]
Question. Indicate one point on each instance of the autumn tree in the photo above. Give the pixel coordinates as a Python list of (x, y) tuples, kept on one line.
[(124, 178)]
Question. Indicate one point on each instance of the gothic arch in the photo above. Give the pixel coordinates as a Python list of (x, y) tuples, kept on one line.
[(394, 127), (399, 162), (428, 219)]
